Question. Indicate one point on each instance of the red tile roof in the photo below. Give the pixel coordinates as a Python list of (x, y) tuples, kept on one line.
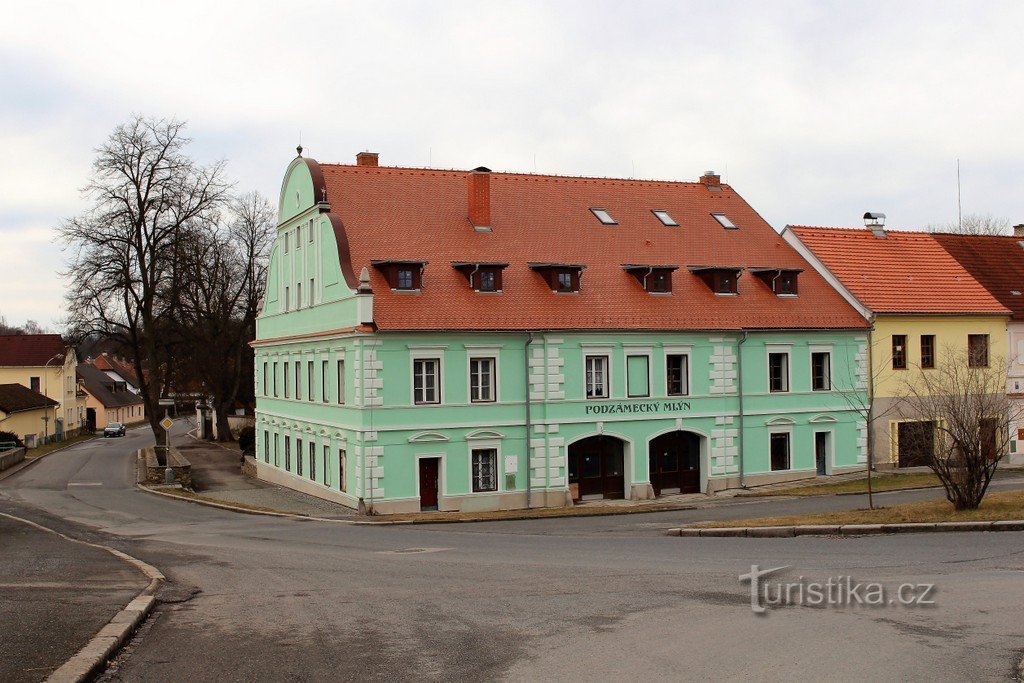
[(16, 398), (105, 361), (30, 350), (996, 262), (415, 214), (904, 272)]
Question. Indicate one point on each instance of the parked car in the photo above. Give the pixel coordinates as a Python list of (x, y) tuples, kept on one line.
[(113, 429)]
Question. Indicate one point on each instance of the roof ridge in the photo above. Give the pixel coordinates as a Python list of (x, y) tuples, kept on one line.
[(515, 174)]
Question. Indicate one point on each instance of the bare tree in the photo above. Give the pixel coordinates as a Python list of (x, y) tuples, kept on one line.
[(146, 195), (226, 276), (964, 399), (975, 224)]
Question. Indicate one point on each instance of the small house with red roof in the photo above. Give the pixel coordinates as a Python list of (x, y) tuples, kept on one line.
[(925, 309), (46, 365), (475, 340)]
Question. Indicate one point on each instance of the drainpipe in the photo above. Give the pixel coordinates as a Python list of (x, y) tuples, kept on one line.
[(870, 435), (529, 427), (739, 391)]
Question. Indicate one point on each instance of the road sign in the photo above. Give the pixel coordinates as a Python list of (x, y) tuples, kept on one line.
[(166, 402), (167, 423)]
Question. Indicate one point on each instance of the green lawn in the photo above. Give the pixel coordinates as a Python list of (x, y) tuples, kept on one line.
[(1005, 505)]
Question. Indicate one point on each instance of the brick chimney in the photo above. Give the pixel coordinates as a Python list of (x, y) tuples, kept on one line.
[(367, 159), (1018, 230), (711, 179), (479, 198)]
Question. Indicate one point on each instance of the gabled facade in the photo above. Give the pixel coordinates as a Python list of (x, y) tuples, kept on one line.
[(108, 399), (476, 340), (997, 263), (924, 308), (44, 364)]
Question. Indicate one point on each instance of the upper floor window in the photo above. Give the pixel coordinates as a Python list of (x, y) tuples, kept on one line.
[(323, 381), (720, 279), (33, 384), (309, 380), (482, 380), (597, 377), (341, 381), (482, 277), (821, 371), (286, 380), (312, 232), (603, 216), (426, 380), (778, 371), (638, 369), (899, 352), (561, 277), (927, 351), (402, 275), (664, 217), (677, 382), (264, 378), (287, 235), (724, 221), (977, 350), (275, 379)]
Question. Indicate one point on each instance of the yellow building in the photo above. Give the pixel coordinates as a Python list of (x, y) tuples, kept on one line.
[(42, 363), (108, 399), (25, 413), (924, 309)]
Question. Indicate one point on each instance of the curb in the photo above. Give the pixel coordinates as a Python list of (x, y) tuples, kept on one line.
[(845, 529), (92, 658)]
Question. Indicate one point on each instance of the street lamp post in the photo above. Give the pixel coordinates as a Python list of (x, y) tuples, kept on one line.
[(46, 392)]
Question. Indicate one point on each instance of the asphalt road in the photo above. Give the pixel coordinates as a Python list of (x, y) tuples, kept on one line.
[(257, 598)]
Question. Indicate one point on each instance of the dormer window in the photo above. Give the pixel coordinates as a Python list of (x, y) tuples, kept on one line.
[(722, 280), (783, 282), (561, 277), (665, 218), (402, 276), (654, 279), (724, 221), (603, 216), (482, 277)]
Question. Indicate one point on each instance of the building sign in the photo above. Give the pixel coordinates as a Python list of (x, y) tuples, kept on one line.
[(647, 407)]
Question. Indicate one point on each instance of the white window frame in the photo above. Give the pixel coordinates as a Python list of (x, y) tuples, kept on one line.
[(477, 356), (788, 431), (650, 370), (830, 456), (680, 351), (587, 355), (427, 353), (787, 350), (499, 465), (819, 348)]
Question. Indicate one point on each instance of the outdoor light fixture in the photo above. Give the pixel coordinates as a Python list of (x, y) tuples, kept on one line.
[(874, 220)]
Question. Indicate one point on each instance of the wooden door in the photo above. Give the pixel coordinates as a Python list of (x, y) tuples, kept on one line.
[(674, 461), (429, 472), (821, 452)]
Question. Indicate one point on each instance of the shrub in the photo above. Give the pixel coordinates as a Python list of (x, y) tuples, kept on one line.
[(9, 437), (247, 439)]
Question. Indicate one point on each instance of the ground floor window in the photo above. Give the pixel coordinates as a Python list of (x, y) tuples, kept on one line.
[(327, 468), (277, 459), (287, 453), (298, 457), (312, 459), (266, 446), (341, 470), (485, 469), (780, 451)]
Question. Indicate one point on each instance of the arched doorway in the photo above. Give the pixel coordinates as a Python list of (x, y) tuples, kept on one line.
[(674, 461), (596, 468)]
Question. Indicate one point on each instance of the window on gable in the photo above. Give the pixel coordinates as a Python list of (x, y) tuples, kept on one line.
[(664, 217), (977, 350), (899, 352), (603, 216), (724, 221), (927, 351)]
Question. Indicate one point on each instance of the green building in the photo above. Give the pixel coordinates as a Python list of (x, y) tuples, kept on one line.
[(438, 339)]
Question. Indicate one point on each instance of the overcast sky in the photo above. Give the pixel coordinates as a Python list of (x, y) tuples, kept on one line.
[(814, 111)]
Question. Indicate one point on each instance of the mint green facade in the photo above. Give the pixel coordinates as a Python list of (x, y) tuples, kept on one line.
[(368, 435)]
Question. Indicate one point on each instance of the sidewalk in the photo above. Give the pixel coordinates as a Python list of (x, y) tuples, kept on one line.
[(55, 595), (217, 478)]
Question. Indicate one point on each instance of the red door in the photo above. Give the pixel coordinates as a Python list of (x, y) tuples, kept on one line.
[(429, 468)]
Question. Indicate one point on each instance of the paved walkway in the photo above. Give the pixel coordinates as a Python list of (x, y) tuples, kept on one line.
[(217, 477), (54, 596)]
